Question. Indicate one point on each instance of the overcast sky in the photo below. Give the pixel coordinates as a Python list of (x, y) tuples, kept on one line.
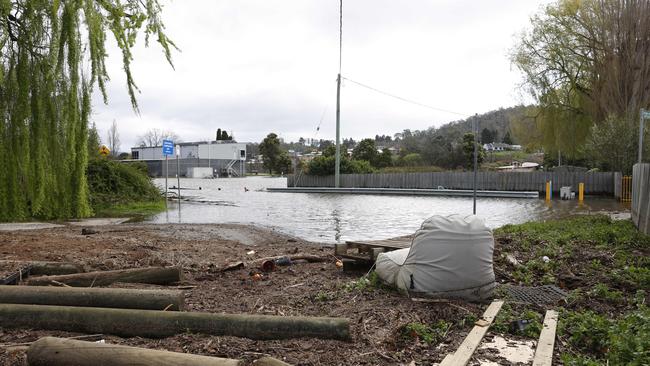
[(259, 66)]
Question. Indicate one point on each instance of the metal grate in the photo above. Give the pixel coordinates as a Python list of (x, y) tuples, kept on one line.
[(542, 295)]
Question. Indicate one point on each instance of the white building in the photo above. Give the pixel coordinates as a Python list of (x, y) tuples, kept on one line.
[(224, 157)]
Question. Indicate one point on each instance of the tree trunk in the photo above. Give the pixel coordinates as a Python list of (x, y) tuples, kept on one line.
[(153, 275), (93, 297), (51, 351), (160, 324)]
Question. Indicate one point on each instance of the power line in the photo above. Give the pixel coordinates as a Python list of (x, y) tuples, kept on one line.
[(405, 99)]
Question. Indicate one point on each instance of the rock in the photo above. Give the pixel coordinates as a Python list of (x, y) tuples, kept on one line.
[(512, 260), (88, 231)]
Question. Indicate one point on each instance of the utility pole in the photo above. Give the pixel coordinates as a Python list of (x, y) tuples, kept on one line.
[(475, 127), (166, 176), (337, 164)]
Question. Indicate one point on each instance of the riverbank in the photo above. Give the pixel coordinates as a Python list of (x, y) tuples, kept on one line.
[(378, 315), (602, 264)]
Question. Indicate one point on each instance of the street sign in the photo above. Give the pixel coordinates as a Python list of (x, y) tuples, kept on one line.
[(104, 151), (645, 114), (168, 147)]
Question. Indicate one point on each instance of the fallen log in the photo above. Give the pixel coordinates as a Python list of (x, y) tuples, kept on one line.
[(153, 275), (51, 351), (311, 258), (93, 297), (160, 324), (40, 268)]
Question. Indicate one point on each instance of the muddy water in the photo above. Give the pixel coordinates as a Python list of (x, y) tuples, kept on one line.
[(335, 218)]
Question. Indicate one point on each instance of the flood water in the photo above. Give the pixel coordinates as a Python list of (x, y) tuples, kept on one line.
[(334, 218)]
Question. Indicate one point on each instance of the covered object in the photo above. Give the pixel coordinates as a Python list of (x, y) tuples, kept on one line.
[(450, 256)]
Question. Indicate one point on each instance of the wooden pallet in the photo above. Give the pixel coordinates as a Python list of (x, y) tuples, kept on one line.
[(369, 250)]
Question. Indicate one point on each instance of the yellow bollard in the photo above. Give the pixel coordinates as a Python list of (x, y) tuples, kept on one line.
[(548, 191), (581, 192)]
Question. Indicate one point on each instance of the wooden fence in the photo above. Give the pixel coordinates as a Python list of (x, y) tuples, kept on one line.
[(602, 183), (641, 197)]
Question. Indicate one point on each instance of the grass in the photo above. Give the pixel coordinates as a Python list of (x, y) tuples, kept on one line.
[(427, 333), (603, 264), (134, 209)]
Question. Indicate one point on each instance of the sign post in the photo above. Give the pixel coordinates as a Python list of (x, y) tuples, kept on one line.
[(178, 174), (645, 114), (167, 149)]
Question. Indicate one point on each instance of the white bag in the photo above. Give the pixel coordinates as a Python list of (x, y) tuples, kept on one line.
[(449, 257)]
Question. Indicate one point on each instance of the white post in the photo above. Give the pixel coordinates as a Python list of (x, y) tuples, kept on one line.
[(166, 175), (178, 172)]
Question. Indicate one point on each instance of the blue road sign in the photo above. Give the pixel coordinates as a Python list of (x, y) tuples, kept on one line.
[(168, 147)]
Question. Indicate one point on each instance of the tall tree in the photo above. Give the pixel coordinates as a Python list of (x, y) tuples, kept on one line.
[(94, 142), (365, 150), (113, 139), (272, 154), (468, 151), (45, 95), (584, 62), (154, 137)]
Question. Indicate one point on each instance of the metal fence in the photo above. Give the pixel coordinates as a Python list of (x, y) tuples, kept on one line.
[(641, 197), (602, 183)]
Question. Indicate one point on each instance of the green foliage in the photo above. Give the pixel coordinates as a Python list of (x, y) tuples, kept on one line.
[(365, 283), (384, 159), (94, 142), (623, 341), (120, 184), (488, 136), (365, 150), (412, 159), (613, 144), (468, 150), (45, 94), (429, 334), (325, 165), (581, 71), (507, 315), (275, 159)]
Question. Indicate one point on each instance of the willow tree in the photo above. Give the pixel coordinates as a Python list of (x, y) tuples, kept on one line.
[(586, 63), (52, 56)]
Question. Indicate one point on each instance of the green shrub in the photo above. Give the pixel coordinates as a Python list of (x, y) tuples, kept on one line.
[(113, 183), (433, 334)]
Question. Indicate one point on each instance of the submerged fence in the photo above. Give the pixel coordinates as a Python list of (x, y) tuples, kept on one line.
[(641, 197), (602, 183)]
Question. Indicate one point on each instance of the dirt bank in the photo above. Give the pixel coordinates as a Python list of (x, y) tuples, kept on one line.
[(377, 314)]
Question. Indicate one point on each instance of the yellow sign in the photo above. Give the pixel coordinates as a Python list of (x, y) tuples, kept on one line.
[(104, 151)]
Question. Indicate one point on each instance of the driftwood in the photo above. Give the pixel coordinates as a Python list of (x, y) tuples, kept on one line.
[(93, 297), (40, 268), (160, 324), (311, 258), (51, 351), (153, 275)]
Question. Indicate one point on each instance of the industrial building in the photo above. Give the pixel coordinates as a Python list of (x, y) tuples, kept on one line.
[(225, 158)]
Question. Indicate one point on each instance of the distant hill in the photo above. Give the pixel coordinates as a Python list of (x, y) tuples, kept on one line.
[(498, 120)]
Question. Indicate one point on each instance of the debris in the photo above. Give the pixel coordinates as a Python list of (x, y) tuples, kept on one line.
[(268, 266), (283, 261), (88, 231), (518, 326), (232, 266), (512, 260), (251, 252), (546, 259), (257, 277), (339, 263)]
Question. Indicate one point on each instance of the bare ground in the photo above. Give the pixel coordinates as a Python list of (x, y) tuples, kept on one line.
[(308, 289)]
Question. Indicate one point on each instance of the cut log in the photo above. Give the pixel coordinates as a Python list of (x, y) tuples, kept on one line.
[(153, 275), (39, 268), (159, 324), (269, 361), (93, 297), (51, 351)]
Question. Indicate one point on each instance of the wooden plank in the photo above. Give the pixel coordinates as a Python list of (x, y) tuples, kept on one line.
[(544, 351), (466, 349)]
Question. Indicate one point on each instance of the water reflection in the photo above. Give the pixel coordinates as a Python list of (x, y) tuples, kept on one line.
[(334, 218)]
